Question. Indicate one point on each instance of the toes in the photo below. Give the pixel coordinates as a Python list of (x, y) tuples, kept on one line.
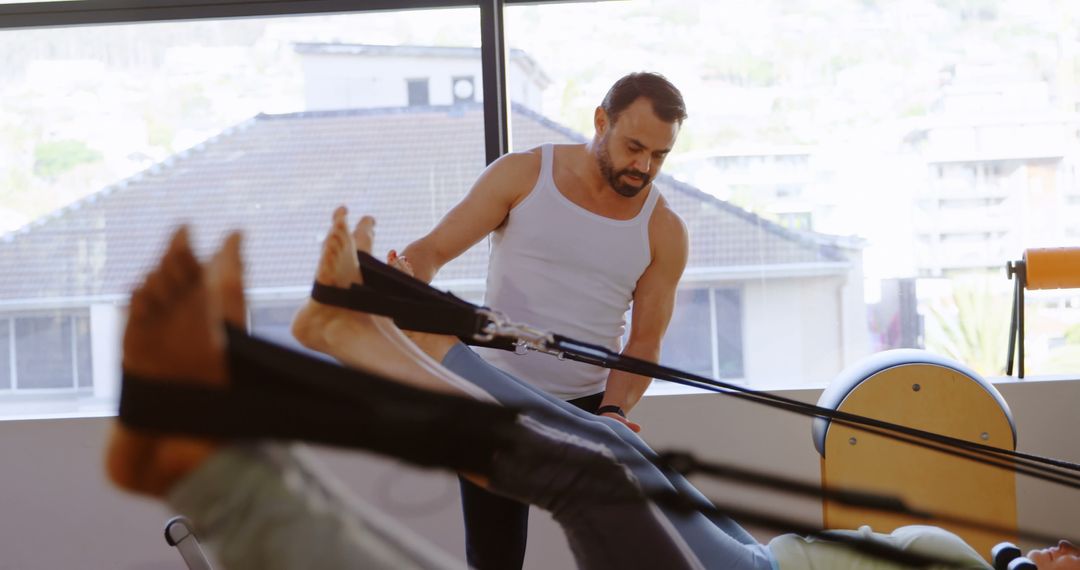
[(137, 309), (155, 291), (364, 233), (340, 214), (178, 268), (227, 276)]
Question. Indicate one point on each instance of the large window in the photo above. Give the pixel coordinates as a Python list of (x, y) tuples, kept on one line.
[(854, 177), (939, 139), (112, 135), (705, 334)]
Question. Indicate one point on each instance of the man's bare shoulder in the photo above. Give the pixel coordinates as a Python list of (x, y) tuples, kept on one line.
[(668, 230), (516, 167)]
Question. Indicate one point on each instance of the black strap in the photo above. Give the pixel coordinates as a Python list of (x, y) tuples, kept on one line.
[(409, 314), (391, 281), (610, 409), (279, 394)]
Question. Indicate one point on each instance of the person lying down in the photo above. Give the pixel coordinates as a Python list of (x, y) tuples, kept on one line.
[(426, 399)]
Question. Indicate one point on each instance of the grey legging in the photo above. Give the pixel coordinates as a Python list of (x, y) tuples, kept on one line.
[(591, 498)]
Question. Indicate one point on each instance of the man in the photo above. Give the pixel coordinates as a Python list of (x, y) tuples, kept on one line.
[(578, 233)]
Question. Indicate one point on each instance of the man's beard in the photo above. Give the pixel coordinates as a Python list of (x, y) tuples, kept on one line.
[(603, 158)]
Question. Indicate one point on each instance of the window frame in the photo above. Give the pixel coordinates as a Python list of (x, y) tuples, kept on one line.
[(70, 315)]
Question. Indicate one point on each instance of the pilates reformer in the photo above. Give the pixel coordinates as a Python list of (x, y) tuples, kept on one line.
[(416, 306)]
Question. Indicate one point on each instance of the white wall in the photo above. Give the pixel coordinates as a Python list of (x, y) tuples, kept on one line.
[(57, 511)]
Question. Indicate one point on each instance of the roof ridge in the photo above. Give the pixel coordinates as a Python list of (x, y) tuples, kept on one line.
[(549, 123), (832, 243), (366, 111)]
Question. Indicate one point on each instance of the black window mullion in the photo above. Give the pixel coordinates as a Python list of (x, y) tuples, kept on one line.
[(493, 63)]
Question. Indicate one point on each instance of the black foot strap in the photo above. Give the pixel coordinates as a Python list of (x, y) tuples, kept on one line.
[(275, 393), (411, 314)]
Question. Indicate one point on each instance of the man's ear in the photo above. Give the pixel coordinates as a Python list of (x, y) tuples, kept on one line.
[(600, 121)]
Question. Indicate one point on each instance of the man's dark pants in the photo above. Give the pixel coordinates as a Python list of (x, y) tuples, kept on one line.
[(496, 527)]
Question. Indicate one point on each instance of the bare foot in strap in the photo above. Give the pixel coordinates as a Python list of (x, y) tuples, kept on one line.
[(174, 334), (360, 340)]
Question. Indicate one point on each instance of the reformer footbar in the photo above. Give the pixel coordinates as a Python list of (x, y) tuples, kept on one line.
[(492, 329), (279, 394)]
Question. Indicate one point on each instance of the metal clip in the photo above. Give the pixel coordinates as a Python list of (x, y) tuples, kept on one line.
[(490, 330), (527, 337)]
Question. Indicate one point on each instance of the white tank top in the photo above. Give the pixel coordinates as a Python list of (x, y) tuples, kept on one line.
[(562, 268)]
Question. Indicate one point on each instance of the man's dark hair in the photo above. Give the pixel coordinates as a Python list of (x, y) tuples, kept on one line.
[(667, 101)]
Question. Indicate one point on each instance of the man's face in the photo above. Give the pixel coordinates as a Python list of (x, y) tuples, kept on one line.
[(1064, 556), (631, 151)]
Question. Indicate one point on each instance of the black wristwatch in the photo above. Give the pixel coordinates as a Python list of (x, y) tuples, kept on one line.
[(611, 410)]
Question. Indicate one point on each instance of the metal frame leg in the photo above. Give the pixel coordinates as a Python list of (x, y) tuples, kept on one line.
[(178, 533)]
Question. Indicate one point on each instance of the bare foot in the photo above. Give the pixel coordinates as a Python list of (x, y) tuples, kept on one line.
[(361, 340), (338, 267), (173, 334)]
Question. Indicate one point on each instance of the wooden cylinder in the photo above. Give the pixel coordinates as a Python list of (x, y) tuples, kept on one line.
[(938, 399), (1053, 268)]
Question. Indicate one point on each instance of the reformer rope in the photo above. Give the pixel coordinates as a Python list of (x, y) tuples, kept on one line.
[(687, 464), (412, 303), (861, 544), (1023, 462)]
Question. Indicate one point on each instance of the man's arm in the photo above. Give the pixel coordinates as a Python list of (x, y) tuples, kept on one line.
[(654, 302), (498, 189)]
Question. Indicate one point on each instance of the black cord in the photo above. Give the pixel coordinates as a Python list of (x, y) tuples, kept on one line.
[(602, 356)]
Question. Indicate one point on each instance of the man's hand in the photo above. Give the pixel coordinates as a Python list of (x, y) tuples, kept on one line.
[(636, 428)]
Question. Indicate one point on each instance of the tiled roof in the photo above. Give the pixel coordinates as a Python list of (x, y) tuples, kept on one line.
[(279, 176)]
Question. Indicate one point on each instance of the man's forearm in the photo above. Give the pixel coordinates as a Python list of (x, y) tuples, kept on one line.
[(625, 389), (424, 260)]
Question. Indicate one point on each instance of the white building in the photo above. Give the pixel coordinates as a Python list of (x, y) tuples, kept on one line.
[(1000, 173), (359, 76)]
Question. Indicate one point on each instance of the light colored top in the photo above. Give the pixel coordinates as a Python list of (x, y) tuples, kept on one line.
[(564, 269), (793, 552), (270, 507)]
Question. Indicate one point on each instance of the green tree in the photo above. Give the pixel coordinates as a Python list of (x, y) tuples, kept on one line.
[(53, 158), (972, 327)]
